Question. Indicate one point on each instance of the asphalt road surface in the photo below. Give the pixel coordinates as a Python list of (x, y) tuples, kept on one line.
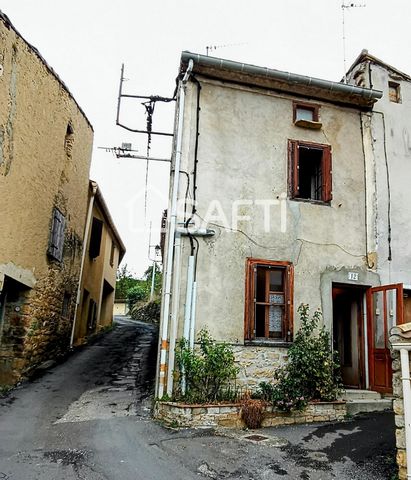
[(89, 419)]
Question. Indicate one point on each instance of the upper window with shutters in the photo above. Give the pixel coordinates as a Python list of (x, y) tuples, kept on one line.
[(310, 174), (56, 242)]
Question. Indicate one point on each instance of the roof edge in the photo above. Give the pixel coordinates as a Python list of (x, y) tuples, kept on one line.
[(5, 19), (365, 94), (364, 55)]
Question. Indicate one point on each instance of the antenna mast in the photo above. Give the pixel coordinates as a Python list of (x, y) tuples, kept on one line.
[(345, 6)]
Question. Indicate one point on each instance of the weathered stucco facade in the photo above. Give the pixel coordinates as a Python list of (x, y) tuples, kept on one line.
[(103, 253), (45, 154), (241, 135), (389, 165)]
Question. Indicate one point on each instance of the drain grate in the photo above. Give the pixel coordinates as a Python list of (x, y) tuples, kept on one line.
[(256, 438)]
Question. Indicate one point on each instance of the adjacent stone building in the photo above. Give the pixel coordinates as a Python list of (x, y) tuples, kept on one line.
[(102, 255), (45, 153)]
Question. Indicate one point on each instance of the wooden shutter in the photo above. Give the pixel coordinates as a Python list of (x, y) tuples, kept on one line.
[(327, 174), (56, 243), (293, 169)]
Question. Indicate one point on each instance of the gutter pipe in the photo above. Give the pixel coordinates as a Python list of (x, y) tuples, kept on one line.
[(187, 312), (404, 349), (171, 235), (189, 297), (291, 78), (174, 315), (193, 314), (83, 257)]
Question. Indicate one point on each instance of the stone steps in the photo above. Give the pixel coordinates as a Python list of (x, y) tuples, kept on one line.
[(352, 395), (365, 401)]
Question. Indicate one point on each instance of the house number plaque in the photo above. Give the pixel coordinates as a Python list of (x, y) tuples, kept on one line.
[(353, 276)]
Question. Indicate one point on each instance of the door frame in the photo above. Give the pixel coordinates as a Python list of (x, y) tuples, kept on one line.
[(362, 328), (398, 287)]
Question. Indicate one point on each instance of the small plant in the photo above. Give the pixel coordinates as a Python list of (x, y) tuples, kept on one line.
[(252, 411), (5, 389), (206, 374), (312, 371)]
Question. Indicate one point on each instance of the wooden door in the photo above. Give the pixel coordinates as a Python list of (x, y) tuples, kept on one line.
[(385, 309)]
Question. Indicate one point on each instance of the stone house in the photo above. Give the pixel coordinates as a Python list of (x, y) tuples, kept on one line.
[(101, 257), (45, 154), (282, 199)]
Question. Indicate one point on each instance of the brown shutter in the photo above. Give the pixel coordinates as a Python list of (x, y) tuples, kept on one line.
[(293, 177), (56, 243), (327, 175)]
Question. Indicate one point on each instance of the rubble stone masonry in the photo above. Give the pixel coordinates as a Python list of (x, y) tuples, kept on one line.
[(45, 155), (399, 415)]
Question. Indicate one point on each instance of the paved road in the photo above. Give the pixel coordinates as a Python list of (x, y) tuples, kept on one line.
[(88, 419)]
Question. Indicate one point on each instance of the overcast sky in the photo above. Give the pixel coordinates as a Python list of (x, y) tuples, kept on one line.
[(86, 41)]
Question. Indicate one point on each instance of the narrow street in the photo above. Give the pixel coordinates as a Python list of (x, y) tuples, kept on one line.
[(89, 419)]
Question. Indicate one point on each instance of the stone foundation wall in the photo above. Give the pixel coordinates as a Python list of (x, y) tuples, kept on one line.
[(257, 363), (34, 329), (229, 415), (399, 415)]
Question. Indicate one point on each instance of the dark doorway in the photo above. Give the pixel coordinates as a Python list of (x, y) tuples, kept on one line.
[(348, 333)]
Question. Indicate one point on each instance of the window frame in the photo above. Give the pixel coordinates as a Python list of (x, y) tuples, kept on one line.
[(293, 168), (96, 238), (112, 253), (250, 300), (315, 123), (397, 87)]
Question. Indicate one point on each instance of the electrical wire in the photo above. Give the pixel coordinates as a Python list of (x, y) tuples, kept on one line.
[(365, 195), (302, 240), (387, 169), (193, 209)]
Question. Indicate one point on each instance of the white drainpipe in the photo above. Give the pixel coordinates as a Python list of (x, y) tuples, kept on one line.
[(174, 315), (83, 256), (171, 237), (187, 311), (404, 349), (189, 296), (193, 315)]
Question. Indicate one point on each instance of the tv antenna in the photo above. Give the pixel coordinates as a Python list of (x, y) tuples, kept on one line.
[(210, 48), (148, 104), (345, 6)]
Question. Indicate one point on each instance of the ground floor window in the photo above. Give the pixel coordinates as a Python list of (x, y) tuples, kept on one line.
[(269, 305)]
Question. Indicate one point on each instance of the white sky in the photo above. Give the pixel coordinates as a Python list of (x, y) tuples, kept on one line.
[(86, 41)]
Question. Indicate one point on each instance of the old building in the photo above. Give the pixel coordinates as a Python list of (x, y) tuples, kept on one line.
[(277, 170), (101, 257), (298, 186), (388, 169), (45, 154)]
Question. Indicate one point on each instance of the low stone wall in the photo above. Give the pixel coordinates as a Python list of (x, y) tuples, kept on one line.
[(398, 405), (257, 363), (229, 415)]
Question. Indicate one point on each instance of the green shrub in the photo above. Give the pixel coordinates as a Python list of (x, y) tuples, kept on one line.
[(138, 293), (312, 370), (209, 372)]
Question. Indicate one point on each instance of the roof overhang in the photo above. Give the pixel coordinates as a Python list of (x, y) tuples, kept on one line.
[(291, 83), (364, 56)]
